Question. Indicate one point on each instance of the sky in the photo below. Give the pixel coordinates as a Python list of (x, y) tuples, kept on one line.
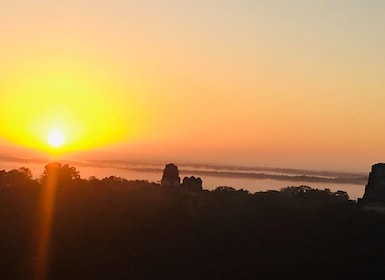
[(296, 84)]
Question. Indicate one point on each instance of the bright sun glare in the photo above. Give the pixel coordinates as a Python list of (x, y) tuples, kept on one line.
[(55, 138)]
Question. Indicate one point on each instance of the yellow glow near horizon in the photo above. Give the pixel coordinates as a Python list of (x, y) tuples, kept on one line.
[(40, 97), (250, 82)]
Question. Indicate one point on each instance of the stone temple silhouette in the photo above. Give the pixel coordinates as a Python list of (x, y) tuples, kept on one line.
[(192, 183), (170, 176), (171, 179), (375, 189)]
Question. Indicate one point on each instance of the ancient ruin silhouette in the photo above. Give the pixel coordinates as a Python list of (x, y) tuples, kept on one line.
[(170, 179), (192, 183), (170, 176), (375, 189)]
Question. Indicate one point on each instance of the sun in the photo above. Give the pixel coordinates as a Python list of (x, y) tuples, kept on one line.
[(55, 138)]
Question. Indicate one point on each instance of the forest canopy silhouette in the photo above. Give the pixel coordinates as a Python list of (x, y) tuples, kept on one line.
[(114, 228)]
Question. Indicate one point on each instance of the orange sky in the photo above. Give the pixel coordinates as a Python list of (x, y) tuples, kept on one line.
[(246, 82)]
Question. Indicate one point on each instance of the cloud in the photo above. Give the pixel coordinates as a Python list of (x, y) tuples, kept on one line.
[(226, 171), (212, 170), (22, 160)]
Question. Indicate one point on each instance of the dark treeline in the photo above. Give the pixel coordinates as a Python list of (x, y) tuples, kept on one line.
[(113, 228)]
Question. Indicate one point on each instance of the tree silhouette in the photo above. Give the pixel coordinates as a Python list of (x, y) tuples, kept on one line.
[(114, 228), (64, 173)]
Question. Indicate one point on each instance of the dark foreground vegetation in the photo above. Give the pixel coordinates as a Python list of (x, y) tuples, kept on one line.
[(118, 229)]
